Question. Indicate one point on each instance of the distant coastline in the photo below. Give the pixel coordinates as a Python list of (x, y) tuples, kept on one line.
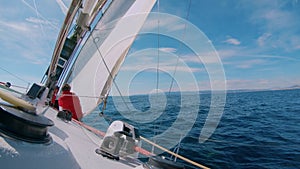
[(294, 87)]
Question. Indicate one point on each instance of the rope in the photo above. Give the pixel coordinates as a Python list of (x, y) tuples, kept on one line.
[(93, 130), (174, 154), (141, 150)]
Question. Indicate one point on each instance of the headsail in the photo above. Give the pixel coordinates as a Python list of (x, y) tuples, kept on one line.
[(104, 51)]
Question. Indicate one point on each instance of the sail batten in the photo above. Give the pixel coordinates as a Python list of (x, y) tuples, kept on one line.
[(105, 50)]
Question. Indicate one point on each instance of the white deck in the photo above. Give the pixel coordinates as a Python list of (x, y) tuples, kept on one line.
[(72, 146)]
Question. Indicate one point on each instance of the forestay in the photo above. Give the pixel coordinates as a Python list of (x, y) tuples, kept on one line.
[(105, 50)]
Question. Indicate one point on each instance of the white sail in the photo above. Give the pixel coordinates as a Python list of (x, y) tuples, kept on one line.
[(99, 60)]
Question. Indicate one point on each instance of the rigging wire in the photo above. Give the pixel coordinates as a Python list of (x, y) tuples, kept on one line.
[(158, 45), (14, 75), (157, 64), (175, 70), (177, 149), (109, 72), (180, 45)]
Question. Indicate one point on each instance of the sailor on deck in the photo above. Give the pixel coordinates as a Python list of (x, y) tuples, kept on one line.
[(70, 101)]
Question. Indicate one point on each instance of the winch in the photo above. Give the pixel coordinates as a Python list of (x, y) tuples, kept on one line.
[(119, 140)]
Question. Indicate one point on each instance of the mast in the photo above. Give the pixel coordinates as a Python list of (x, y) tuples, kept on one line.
[(51, 72), (66, 46)]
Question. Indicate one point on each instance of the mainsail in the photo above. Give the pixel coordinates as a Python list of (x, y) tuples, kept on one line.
[(105, 50)]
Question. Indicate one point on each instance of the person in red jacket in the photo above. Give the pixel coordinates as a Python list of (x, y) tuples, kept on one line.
[(70, 101)]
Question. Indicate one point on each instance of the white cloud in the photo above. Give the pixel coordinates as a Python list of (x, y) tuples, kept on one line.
[(16, 26), (277, 20), (27, 40), (164, 23), (167, 63), (227, 53), (171, 50), (275, 15), (233, 41), (37, 21), (38, 14), (147, 59), (204, 58), (234, 84), (167, 68), (261, 41), (250, 63)]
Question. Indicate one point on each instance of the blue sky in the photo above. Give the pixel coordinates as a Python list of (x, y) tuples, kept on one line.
[(28, 33), (258, 42)]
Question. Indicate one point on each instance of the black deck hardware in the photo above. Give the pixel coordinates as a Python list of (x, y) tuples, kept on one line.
[(161, 163), (107, 155), (24, 126)]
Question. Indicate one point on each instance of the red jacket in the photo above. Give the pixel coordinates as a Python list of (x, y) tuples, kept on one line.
[(69, 101)]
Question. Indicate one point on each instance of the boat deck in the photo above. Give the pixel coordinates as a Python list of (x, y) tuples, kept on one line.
[(72, 146)]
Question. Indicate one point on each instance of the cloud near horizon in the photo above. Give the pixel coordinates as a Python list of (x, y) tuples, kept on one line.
[(171, 50)]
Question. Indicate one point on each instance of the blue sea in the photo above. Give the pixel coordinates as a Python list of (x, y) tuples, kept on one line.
[(259, 129)]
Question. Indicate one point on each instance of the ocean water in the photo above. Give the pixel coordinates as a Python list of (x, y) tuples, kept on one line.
[(257, 129)]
